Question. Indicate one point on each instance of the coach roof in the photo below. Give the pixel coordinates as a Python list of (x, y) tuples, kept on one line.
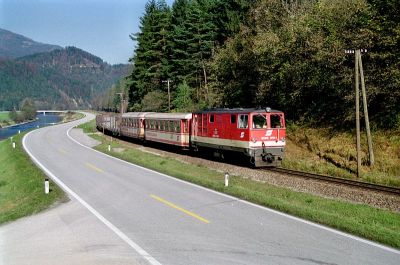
[(168, 116), (135, 114), (239, 110)]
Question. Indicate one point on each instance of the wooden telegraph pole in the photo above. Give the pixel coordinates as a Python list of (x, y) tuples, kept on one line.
[(359, 72), (122, 102), (169, 93), (358, 116), (364, 96)]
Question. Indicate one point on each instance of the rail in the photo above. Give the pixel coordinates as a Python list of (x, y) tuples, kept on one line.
[(348, 182)]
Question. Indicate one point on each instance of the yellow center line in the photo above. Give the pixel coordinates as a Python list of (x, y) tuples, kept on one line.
[(62, 151), (179, 208), (91, 166)]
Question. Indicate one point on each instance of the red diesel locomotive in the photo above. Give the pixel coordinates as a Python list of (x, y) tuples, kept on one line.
[(259, 134)]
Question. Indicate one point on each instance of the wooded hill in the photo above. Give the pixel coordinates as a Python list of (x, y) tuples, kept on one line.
[(285, 54), (61, 79), (13, 45)]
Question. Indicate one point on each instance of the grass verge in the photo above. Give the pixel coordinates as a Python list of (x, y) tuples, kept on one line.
[(71, 116), (22, 183), (375, 224)]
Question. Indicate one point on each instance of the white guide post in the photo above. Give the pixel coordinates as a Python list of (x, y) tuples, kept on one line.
[(226, 179), (46, 186)]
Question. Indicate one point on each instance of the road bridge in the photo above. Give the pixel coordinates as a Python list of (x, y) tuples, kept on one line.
[(51, 111)]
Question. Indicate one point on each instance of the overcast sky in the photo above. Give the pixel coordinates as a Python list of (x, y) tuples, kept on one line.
[(101, 27)]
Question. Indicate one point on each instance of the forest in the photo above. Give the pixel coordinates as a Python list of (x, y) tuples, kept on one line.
[(67, 78), (284, 54)]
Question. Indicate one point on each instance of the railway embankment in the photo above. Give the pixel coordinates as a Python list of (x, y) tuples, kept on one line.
[(375, 221), (331, 152)]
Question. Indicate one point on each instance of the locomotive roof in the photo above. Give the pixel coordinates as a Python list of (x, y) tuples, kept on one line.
[(166, 116), (239, 110), (135, 114)]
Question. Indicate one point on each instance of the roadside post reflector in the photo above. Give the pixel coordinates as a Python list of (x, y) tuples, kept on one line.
[(46, 186), (226, 179), (19, 131), (109, 147), (13, 144)]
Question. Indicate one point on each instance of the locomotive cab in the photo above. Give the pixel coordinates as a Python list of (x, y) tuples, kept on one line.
[(267, 138)]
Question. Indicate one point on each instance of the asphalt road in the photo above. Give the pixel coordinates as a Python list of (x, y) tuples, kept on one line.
[(167, 221)]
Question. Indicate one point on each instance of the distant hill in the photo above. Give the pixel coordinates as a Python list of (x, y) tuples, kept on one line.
[(60, 79), (13, 45)]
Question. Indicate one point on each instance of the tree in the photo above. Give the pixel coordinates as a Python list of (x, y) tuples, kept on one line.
[(13, 115), (183, 99), (150, 62), (154, 101), (28, 109)]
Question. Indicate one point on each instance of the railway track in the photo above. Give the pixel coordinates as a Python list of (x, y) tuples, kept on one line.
[(348, 182)]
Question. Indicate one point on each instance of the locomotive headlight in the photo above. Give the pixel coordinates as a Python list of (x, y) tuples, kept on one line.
[(283, 139), (254, 140)]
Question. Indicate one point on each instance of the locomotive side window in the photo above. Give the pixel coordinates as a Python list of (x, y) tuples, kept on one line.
[(275, 121), (259, 121), (233, 118), (212, 118), (243, 122)]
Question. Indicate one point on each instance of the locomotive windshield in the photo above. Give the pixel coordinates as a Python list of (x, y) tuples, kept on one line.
[(259, 121), (276, 121)]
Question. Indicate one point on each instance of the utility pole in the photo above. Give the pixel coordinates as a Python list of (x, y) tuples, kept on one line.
[(364, 96), (358, 115), (169, 93), (122, 101), (359, 71)]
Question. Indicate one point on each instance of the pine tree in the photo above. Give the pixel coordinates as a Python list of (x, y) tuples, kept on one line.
[(150, 62)]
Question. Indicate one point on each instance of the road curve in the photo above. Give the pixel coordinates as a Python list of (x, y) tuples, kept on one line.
[(168, 221)]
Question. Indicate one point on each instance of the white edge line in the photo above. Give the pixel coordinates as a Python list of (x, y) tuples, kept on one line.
[(368, 242), (124, 237)]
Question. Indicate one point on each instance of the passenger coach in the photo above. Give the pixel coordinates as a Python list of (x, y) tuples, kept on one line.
[(259, 134), (168, 128), (132, 124), (109, 123)]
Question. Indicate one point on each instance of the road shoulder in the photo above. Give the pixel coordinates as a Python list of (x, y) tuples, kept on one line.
[(66, 234)]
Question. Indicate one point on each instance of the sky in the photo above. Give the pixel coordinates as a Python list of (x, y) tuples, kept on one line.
[(101, 27)]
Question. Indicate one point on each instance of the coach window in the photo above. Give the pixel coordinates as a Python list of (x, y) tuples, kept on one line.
[(243, 121), (185, 127), (212, 118), (259, 121), (178, 126)]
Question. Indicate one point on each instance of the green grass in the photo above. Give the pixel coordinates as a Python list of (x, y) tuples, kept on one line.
[(375, 224), (71, 116), (5, 119), (89, 127), (22, 184)]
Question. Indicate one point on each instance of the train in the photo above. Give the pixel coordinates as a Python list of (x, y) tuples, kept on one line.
[(258, 134)]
